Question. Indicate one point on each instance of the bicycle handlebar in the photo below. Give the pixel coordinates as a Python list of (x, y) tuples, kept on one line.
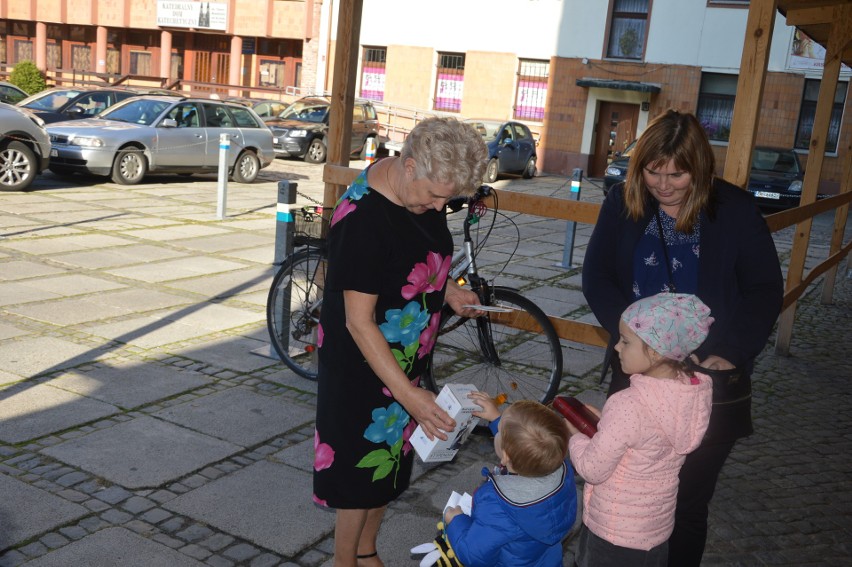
[(456, 203)]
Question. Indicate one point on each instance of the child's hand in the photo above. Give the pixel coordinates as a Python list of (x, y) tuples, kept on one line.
[(451, 513), (489, 408), (571, 429)]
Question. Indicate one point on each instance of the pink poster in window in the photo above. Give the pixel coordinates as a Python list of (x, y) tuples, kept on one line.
[(531, 99), (449, 92), (373, 83)]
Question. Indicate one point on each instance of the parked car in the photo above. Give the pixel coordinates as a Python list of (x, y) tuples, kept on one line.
[(24, 147), (616, 171), (62, 103), (776, 177), (10, 94), (300, 130), (265, 108), (165, 134), (511, 148)]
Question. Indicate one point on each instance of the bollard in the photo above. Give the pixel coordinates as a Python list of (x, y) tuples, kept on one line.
[(222, 187), (571, 226), (284, 221), (370, 150)]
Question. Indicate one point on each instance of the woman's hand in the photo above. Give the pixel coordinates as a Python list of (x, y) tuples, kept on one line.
[(420, 404), (713, 362), (457, 297)]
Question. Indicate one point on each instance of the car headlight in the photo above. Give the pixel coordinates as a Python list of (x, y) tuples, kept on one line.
[(614, 171), (795, 186), (298, 133), (86, 141)]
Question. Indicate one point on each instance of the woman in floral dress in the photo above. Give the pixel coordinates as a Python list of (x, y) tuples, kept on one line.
[(389, 257)]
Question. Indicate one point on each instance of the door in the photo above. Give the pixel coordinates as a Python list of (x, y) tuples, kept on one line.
[(615, 130), (185, 145)]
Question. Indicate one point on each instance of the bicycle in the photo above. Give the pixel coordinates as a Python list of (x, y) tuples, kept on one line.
[(513, 349)]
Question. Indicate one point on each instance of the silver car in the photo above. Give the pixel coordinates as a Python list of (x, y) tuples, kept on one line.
[(163, 134), (24, 147)]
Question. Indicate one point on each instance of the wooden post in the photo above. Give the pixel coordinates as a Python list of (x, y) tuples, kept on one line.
[(840, 21), (758, 39), (840, 216), (343, 90)]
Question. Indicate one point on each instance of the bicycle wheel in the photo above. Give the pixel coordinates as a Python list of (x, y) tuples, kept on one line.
[(523, 360), (293, 310)]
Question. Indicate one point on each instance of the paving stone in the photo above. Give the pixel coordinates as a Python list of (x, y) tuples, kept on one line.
[(241, 552), (26, 511)]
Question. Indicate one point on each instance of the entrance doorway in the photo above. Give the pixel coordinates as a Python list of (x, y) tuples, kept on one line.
[(616, 128)]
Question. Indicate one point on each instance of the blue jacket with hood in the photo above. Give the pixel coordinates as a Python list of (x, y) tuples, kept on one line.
[(516, 521)]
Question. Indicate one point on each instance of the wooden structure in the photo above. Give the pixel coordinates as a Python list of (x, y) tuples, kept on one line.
[(828, 22)]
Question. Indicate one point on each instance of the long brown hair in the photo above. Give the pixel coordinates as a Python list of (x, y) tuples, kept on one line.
[(679, 137)]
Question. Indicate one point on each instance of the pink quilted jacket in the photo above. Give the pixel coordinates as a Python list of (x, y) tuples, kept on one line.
[(631, 465)]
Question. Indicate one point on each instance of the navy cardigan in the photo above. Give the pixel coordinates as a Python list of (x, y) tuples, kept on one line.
[(739, 276)]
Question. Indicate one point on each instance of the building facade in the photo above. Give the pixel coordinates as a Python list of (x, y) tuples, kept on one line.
[(586, 75)]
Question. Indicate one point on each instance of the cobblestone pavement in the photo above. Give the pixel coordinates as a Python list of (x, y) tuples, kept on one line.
[(139, 426)]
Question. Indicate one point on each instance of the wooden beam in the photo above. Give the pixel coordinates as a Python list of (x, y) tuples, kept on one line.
[(841, 29), (759, 27), (840, 216), (343, 89), (809, 16), (783, 219)]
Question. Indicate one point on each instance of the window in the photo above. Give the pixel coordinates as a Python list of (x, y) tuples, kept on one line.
[(808, 111), (532, 90), (373, 73), (272, 73), (81, 57), (743, 3), (140, 63), (450, 84), (627, 29), (716, 104), (23, 50)]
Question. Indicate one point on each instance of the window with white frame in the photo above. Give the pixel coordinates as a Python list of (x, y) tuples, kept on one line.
[(716, 104), (532, 90), (808, 111), (373, 73), (627, 29), (449, 86), (727, 2)]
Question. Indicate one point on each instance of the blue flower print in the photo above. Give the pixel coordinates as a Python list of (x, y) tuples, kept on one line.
[(358, 189), (404, 325), (388, 425)]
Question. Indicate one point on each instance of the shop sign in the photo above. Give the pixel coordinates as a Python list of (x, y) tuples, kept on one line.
[(196, 15)]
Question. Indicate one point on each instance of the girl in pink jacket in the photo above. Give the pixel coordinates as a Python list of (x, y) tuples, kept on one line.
[(631, 465)]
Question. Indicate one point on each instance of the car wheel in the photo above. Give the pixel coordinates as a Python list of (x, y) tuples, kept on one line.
[(17, 166), (491, 171), (61, 170), (129, 167), (246, 168), (316, 151), (529, 170)]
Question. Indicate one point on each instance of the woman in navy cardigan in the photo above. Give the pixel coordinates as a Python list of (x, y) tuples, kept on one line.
[(715, 245)]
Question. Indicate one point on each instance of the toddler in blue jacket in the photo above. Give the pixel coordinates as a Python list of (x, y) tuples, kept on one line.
[(518, 518)]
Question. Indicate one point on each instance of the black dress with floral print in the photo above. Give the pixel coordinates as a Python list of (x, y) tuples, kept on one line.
[(363, 457)]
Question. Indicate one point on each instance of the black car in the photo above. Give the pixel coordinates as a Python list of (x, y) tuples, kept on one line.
[(511, 148), (63, 103), (300, 130), (616, 171), (10, 94), (776, 177)]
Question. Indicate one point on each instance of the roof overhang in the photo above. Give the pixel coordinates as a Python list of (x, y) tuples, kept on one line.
[(619, 85), (815, 18)]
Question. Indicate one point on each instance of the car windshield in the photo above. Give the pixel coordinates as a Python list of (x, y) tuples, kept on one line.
[(775, 161), (51, 100), (136, 111), (627, 151), (305, 111), (488, 130)]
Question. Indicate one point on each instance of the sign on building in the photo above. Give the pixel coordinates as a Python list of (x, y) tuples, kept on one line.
[(196, 15)]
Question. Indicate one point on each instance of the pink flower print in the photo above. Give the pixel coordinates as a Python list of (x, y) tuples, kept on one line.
[(427, 277), (429, 335), (406, 436), (323, 453), (320, 336), (319, 501), (344, 208), (640, 322)]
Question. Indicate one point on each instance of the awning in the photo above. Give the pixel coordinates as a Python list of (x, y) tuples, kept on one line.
[(619, 85)]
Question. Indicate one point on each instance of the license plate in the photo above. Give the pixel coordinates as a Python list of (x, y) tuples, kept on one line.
[(767, 195), (274, 140), (54, 153)]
